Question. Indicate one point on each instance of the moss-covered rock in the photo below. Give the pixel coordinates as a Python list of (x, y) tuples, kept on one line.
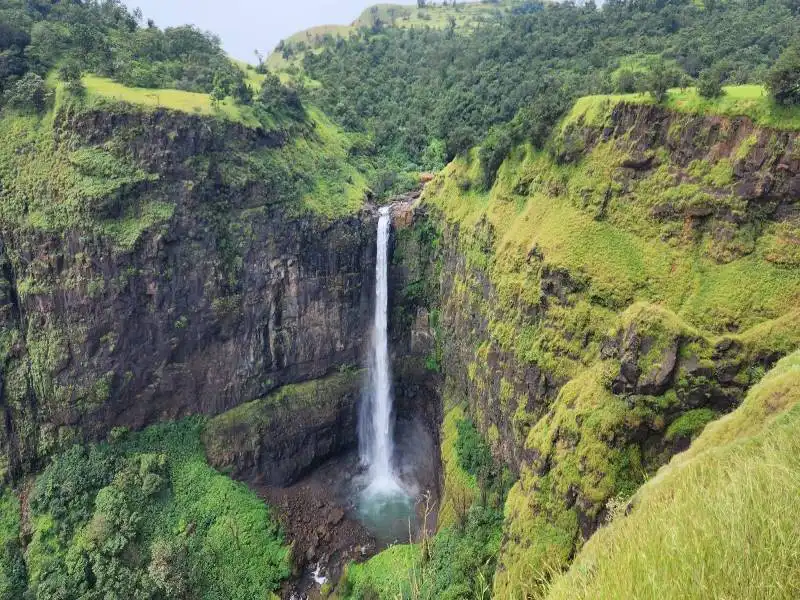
[(605, 301), (278, 438)]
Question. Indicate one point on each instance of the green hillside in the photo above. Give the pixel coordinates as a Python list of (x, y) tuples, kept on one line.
[(463, 17), (685, 533)]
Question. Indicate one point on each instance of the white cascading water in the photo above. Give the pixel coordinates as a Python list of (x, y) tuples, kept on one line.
[(375, 421)]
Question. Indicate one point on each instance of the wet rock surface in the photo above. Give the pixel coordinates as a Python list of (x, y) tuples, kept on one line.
[(318, 521), (319, 512)]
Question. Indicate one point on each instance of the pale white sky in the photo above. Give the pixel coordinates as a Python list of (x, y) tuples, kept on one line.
[(245, 25)]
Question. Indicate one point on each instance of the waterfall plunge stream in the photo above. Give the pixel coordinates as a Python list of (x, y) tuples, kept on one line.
[(384, 505)]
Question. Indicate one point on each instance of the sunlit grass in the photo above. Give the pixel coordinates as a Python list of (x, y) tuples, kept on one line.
[(188, 102), (751, 101), (719, 521)]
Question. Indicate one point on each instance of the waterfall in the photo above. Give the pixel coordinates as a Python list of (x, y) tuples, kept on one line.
[(375, 419)]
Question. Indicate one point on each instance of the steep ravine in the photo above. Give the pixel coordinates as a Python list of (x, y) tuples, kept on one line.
[(193, 286), (609, 297)]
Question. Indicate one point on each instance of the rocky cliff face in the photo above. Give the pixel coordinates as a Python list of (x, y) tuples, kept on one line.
[(218, 299), (606, 300)]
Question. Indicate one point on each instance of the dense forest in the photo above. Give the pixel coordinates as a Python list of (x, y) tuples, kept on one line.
[(428, 94), (104, 38)]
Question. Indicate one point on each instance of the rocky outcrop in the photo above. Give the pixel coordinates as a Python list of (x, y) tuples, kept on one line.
[(228, 294), (275, 440)]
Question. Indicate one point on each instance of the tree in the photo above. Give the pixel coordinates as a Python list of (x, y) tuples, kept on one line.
[(169, 567), (709, 85), (783, 79), (241, 92), (219, 89), (626, 81), (658, 81), (70, 73), (29, 93)]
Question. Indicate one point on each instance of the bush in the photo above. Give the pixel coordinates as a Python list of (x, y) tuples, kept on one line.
[(659, 81), (784, 78), (493, 152), (709, 85), (626, 81), (29, 94), (474, 455)]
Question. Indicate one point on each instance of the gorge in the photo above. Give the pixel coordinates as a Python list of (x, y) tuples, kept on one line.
[(439, 308)]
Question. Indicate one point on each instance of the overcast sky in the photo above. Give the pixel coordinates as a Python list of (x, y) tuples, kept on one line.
[(245, 25)]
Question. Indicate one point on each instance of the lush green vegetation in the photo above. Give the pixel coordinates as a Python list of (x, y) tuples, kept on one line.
[(678, 282), (12, 565), (142, 517), (732, 490), (289, 54), (427, 94), (190, 102), (459, 561), (104, 38), (751, 101), (180, 68)]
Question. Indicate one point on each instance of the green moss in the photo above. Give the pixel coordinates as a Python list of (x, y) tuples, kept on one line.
[(595, 111), (246, 422), (49, 187), (733, 485), (386, 576), (721, 174), (782, 245), (690, 424), (460, 487), (127, 230), (743, 151)]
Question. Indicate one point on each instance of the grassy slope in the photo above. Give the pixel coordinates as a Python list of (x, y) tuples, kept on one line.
[(677, 281), (188, 102), (719, 520), (465, 15), (751, 101), (627, 256)]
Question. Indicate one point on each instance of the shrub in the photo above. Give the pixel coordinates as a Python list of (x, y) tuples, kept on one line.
[(659, 81), (626, 81), (784, 77), (493, 152), (709, 85), (29, 94)]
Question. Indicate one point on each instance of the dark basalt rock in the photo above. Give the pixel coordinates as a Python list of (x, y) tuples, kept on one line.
[(234, 296)]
